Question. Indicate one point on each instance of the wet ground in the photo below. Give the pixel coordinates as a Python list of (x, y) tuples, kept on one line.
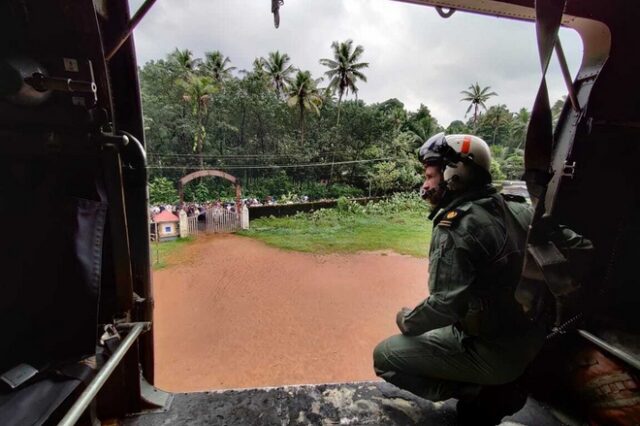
[(236, 313)]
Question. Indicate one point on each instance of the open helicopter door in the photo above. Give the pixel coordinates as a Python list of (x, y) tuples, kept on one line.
[(75, 300)]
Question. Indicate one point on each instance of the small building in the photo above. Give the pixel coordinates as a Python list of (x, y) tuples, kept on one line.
[(167, 225)]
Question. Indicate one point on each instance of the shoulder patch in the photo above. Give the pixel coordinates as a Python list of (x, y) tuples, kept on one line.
[(450, 218)]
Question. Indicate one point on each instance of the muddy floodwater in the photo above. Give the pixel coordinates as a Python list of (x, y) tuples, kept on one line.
[(236, 313)]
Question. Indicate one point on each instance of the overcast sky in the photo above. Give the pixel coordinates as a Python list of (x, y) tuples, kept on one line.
[(414, 55)]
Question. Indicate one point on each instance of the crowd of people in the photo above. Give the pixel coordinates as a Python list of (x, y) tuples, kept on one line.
[(195, 209), (192, 209)]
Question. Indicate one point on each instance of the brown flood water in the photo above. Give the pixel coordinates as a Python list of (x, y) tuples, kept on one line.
[(236, 313)]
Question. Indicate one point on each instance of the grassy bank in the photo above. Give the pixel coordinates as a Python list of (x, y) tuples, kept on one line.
[(163, 253), (398, 224)]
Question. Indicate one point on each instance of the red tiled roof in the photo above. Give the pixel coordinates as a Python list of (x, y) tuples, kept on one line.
[(165, 216)]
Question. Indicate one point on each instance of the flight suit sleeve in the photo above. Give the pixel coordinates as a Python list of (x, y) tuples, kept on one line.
[(566, 238), (451, 273)]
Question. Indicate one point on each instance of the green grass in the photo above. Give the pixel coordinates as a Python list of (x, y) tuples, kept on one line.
[(162, 253), (403, 230)]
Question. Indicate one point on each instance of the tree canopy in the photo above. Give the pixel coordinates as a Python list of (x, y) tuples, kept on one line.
[(277, 129)]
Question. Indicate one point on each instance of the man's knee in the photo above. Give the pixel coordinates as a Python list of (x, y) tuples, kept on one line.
[(398, 353), (380, 358)]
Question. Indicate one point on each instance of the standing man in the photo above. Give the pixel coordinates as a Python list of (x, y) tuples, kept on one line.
[(469, 339)]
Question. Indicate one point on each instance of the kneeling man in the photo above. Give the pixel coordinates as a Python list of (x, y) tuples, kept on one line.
[(470, 337)]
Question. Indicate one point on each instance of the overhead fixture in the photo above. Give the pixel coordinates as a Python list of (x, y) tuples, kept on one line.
[(275, 9), (445, 14)]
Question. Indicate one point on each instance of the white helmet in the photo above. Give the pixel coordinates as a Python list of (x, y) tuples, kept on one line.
[(462, 156)]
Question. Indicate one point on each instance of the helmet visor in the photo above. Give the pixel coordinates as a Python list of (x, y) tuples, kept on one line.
[(431, 151)]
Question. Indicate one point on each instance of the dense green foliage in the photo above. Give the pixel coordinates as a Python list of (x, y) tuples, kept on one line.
[(398, 224), (278, 128), (162, 191)]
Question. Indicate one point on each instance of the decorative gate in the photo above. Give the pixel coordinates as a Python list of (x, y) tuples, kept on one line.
[(220, 219), (192, 225)]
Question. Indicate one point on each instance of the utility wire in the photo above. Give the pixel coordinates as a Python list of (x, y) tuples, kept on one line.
[(276, 166), (231, 155)]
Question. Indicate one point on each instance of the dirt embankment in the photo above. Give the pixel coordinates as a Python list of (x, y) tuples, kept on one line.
[(238, 313)]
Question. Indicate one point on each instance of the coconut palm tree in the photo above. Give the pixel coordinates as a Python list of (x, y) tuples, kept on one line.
[(184, 60), (556, 110), (304, 95), (279, 70), (344, 69), (217, 66), (197, 92), (421, 124), (495, 125), (518, 128), (477, 97), (258, 67)]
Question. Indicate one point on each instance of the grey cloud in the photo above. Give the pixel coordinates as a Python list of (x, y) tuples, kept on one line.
[(414, 55)]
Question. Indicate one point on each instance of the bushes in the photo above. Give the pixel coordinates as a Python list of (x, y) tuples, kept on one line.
[(314, 190), (347, 206), (513, 167), (496, 171), (162, 191), (397, 224), (282, 186), (398, 203), (338, 190), (391, 176)]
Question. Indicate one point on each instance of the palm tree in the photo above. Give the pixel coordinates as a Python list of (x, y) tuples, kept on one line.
[(258, 67), (421, 124), (217, 66), (279, 70), (518, 128), (197, 92), (304, 94), (477, 96), (500, 120), (556, 110), (344, 69), (184, 60)]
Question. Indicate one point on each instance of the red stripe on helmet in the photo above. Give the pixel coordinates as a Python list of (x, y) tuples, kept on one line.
[(466, 145)]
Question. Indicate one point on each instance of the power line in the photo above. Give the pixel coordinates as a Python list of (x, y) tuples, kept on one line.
[(231, 155), (218, 156), (278, 166)]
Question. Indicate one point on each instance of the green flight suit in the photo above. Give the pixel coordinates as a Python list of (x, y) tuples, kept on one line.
[(470, 331)]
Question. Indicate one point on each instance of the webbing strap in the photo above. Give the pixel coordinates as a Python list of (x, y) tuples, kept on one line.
[(118, 225), (515, 232), (514, 240), (78, 370), (539, 140), (82, 371), (537, 159), (554, 267)]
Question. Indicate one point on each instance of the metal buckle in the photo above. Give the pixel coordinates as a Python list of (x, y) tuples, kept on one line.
[(110, 332), (569, 170), (18, 375)]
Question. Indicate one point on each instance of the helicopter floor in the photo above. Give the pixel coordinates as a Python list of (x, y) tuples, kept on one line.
[(360, 403)]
